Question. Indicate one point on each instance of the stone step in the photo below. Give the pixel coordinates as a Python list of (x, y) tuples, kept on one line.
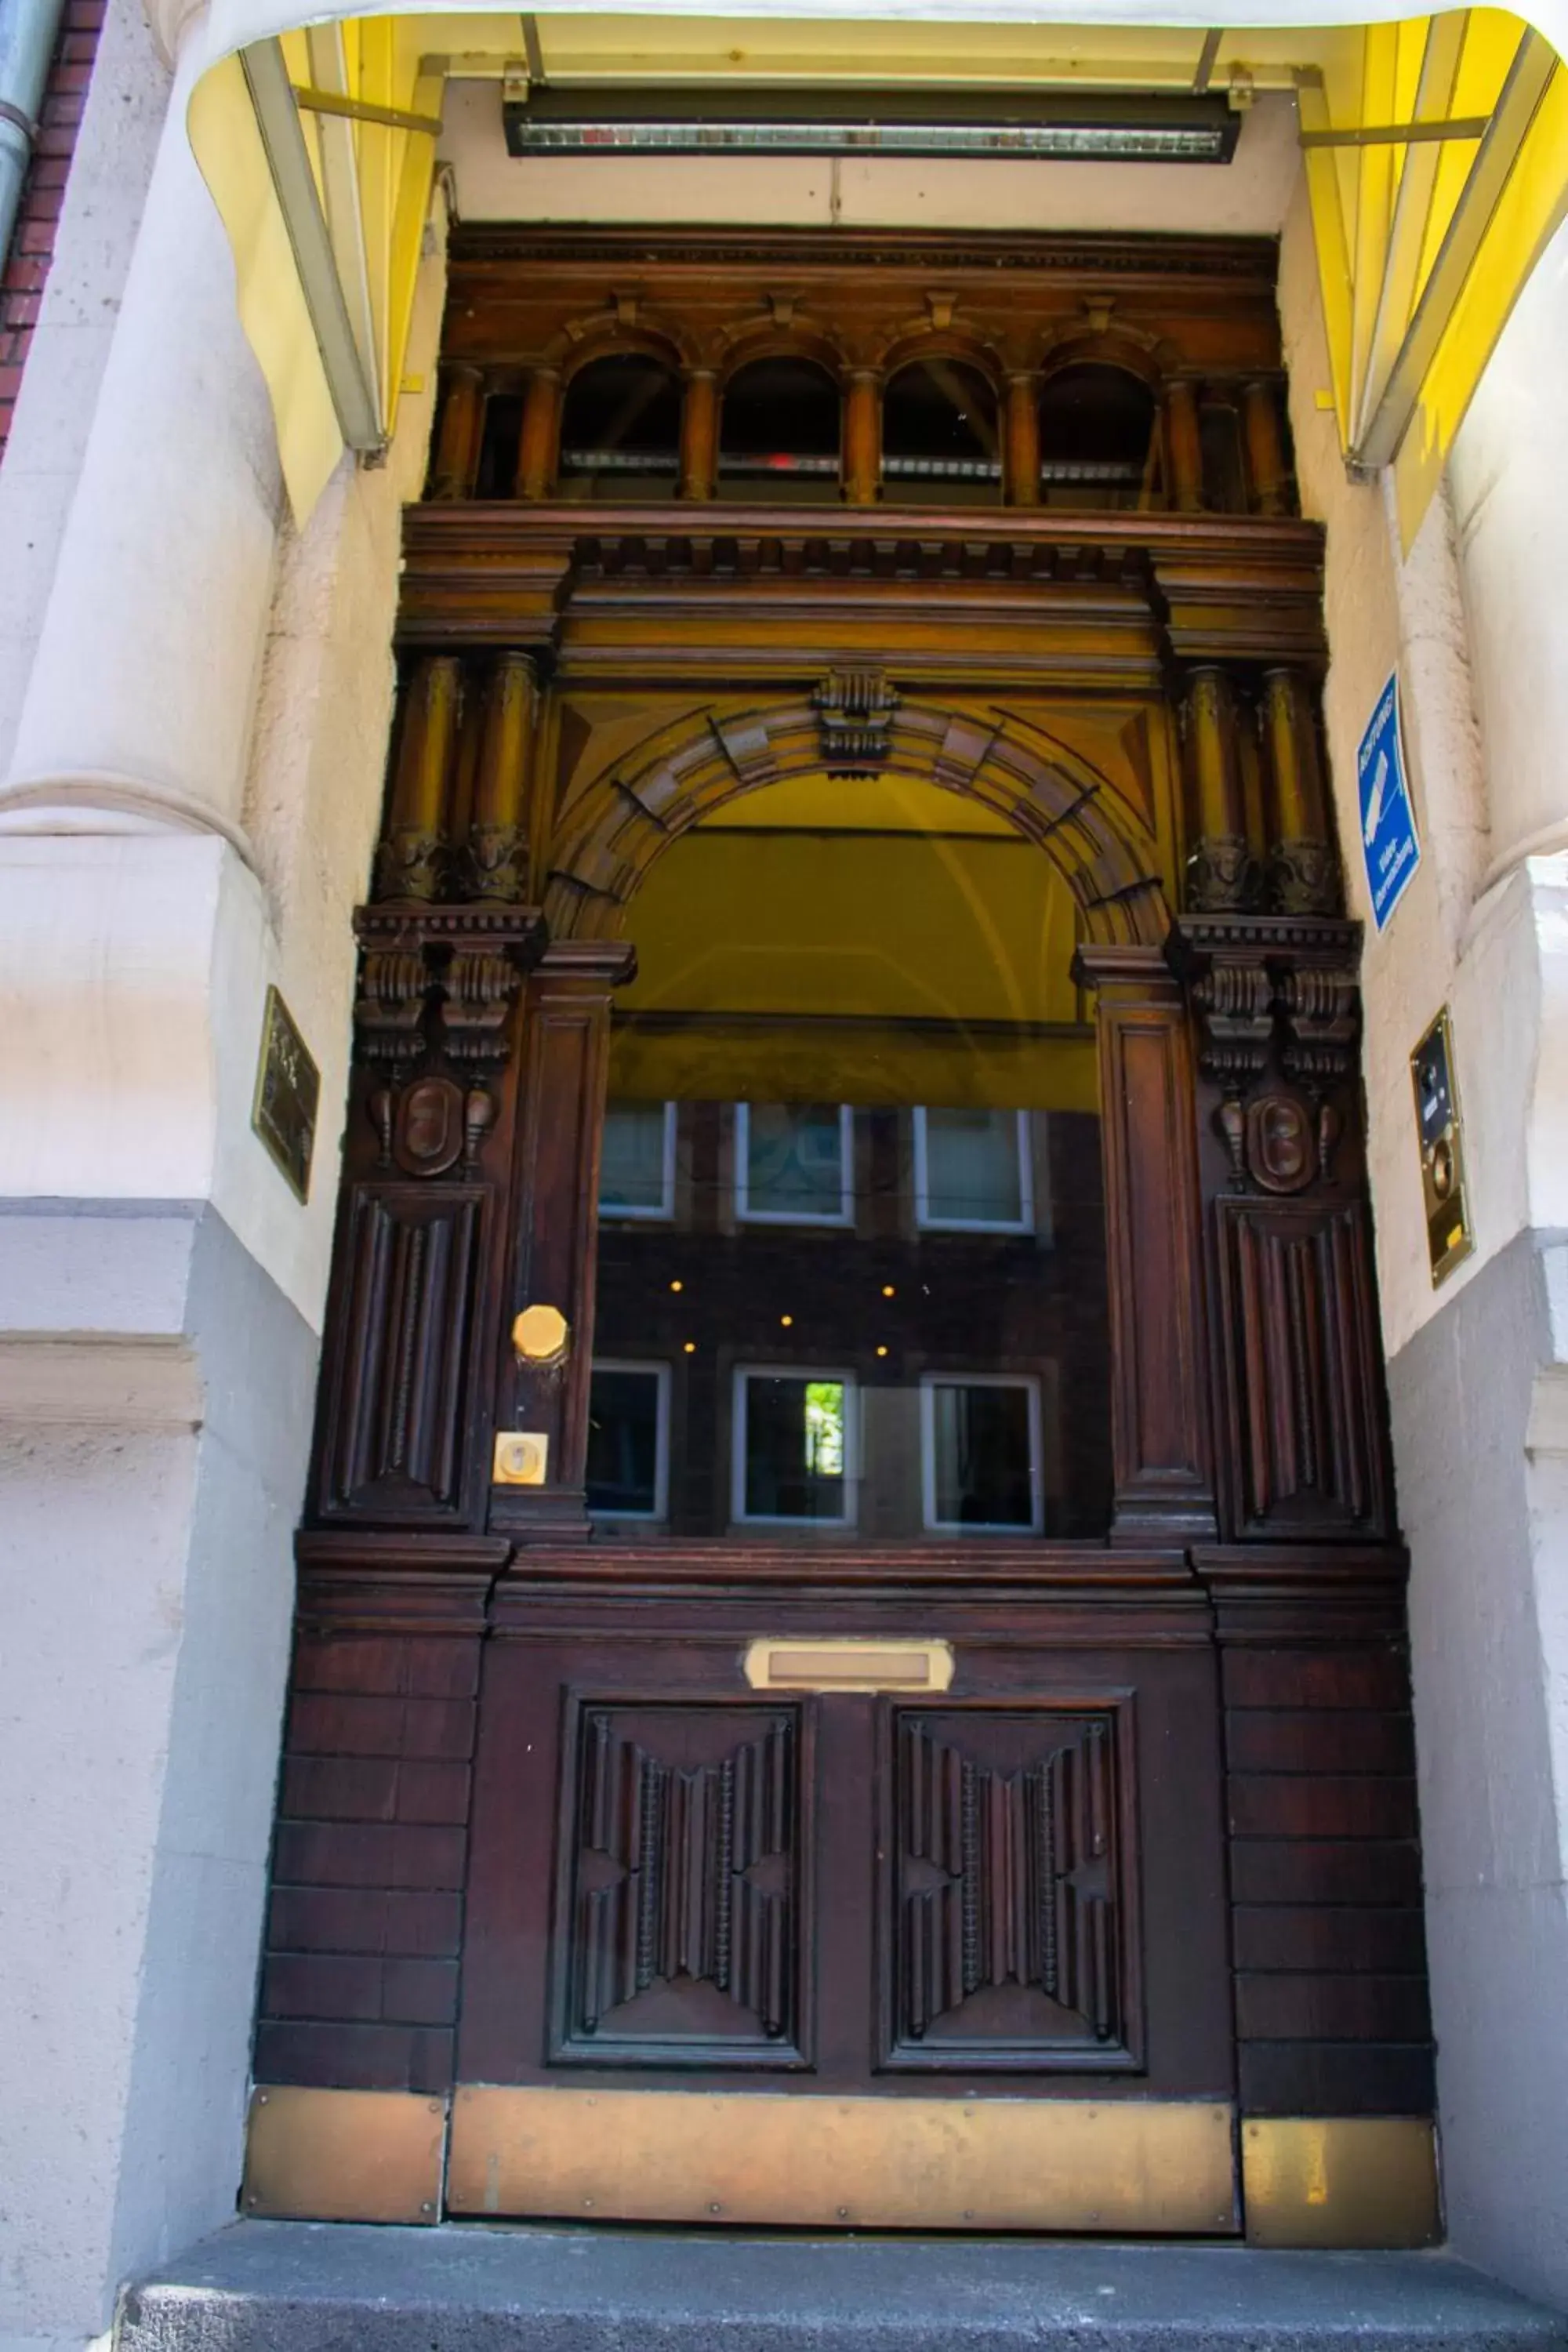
[(270, 2286)]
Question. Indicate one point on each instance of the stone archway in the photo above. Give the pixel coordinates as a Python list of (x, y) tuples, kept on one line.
[(630, 816)]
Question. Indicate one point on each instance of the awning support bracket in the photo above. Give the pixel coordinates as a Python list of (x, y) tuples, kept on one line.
[(287, 160)]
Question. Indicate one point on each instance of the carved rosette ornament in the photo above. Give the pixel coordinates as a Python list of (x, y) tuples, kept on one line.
[(411, 865), (495, 864), (1223, 875), (1304, 877)]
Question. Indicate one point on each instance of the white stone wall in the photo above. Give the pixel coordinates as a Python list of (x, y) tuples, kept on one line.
[(161, 1288), (1477, 621)]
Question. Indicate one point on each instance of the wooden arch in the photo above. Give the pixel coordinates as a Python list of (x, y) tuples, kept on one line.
[(629, 816), (604, 335)]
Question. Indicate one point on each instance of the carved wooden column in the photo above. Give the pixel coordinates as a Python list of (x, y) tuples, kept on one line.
[(411, 860), (1303, 869), (1183, 446), (1163, 1479), (863, 438), (1021, 447), (539, 443), (495, 857), (700, 435), (1267, 473), (403, 1430), (1297, 1366), (556, 1181), (1222, 870), (462, 431)]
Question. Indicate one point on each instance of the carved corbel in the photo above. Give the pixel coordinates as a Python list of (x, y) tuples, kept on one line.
[(1321, 1005), (1273, 999), (1232, 995), (439, 986)]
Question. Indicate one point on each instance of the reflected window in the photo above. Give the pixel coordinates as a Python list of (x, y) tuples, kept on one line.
[(1097, 435), (940, 432), (794, 1442), (973, 1172), (636, 1166), (620, 430), (779, 431), (795, 1164), (980, 1449), (628, 1441)]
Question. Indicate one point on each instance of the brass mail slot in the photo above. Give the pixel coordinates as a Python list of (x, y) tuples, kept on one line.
[(857, 1662)]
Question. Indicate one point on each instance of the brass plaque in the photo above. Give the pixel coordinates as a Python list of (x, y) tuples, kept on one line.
[(1341, 2180), (859, 1663), (287, 1095), (759, 2158), (522, 1457), (343, 2156), (1438, 1126)]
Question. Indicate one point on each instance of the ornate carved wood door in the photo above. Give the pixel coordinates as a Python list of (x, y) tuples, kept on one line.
[(776, 1748)]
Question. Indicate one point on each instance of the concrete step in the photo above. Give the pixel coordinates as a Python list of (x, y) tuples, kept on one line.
[(270, 2286)]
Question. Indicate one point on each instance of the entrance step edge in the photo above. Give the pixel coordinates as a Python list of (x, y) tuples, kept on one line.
[(288, 2286)]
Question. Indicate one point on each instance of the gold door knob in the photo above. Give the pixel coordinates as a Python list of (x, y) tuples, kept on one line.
[(540, 1335)]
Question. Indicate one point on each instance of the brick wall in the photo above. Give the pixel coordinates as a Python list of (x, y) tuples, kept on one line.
[(32, 249)]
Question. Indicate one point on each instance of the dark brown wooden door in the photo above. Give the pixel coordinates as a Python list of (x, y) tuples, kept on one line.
[(1010, 1887)]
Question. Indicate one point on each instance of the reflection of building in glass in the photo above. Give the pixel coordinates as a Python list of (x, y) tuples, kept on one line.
[(925, 1287)]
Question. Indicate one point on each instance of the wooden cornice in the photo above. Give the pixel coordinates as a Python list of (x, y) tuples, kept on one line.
[(1189, 587), (1153, 259)]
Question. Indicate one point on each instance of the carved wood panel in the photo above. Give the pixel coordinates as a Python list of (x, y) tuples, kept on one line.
[(402, 1343), (682, 1912), (1299, 1356), (676, 1880), (1012, 1935)]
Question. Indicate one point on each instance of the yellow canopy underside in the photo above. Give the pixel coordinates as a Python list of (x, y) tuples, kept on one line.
[(1396, 221)]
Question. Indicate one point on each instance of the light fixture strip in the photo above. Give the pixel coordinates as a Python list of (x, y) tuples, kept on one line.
[(1050, 142)]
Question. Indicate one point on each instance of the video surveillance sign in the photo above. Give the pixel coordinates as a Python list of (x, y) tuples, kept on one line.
[(1387, 819)]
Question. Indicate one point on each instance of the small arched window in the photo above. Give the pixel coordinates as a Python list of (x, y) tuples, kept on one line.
[(620, 430), (1097, 437), (940, 435), (779, 430)]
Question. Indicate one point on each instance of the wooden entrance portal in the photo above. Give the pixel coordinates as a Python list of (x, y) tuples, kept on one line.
[(824, 1696)]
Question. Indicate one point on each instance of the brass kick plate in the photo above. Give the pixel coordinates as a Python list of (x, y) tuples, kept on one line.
[(343, 2156), (1339, 2180), (858, 1662), (759, 2157)]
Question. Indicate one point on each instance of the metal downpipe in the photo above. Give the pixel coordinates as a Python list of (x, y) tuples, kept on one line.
[(28, 31)]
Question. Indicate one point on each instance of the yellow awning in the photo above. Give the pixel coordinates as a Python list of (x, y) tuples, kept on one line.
[(1436, 149)]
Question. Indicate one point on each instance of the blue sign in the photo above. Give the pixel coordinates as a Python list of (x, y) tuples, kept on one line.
[(1387, 820)]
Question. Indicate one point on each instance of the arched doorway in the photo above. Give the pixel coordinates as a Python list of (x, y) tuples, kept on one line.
[(840, 1790)]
